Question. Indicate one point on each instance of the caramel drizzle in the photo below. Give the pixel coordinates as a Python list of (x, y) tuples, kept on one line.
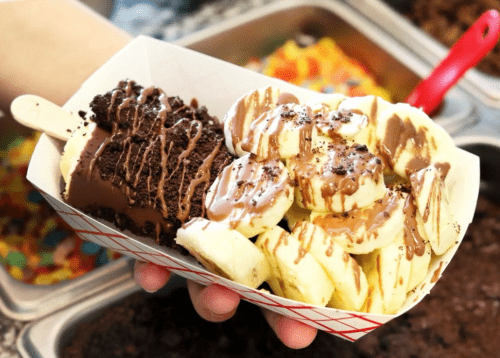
[(143, 161), (437, 272), (150, 177), (372, 120), (104, 144), (305, 245), (125, 104), (97, 154), (283, 239)]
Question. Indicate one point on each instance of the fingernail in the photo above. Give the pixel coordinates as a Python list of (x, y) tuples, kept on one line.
[(149, 291), (218, 317)]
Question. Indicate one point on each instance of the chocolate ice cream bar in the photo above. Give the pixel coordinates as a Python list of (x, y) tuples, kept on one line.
[(143, 161)]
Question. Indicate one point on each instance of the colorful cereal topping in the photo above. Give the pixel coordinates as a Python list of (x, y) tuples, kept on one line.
[(36, 245), (321, 66)]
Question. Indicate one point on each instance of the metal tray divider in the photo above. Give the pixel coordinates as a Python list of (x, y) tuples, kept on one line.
[(43, 338), (26, 302)]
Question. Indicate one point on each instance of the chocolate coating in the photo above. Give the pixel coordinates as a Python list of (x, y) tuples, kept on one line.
[(151, 164)]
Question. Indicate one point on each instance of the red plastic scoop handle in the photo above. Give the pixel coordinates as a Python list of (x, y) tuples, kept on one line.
[(474, 44)]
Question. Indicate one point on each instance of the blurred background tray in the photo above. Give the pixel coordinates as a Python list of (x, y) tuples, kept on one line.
[(478, 84), (258, 32)]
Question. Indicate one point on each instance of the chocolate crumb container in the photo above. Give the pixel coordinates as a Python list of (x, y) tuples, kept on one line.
[(362, 36), (46, 337), (26, 302), (479, 85), (483, 142), (217, 85)]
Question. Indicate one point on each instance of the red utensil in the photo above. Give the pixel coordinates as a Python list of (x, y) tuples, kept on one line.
[(474, 44)]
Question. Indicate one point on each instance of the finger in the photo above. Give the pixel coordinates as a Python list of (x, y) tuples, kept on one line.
[(292, 333), (149, 276), (214, 303)]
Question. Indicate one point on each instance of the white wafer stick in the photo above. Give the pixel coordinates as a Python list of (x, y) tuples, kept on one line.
[(40, 114)]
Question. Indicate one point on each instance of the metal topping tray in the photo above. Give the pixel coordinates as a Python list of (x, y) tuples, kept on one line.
[(256, 33), (485, 143), (45, 338), (25, 302), (484, 87)]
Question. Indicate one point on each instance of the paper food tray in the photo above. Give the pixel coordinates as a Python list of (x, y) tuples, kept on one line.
[(217, 84)]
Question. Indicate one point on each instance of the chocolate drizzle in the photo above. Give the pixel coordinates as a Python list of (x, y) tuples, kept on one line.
[(399, 134), (282, 121), (250, 187), (415, 244), (247, 109), (334, 120), (362, 220), (160, 155), (340, 168)]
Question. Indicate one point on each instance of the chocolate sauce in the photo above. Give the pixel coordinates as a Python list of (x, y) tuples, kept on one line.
[(246, 189), (359, 220), (400, 134), (246, 110), (285, 120), (415, 243), (334, 120), (340, 169)]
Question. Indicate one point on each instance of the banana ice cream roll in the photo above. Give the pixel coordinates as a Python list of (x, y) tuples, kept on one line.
[(351, 287), (246, 110), (388, 273), (282, 132), (344, 124), (250, 195), (224, 251), (295, 273), (370, 107), (360, 231), (325, 102), (431, 198), (409, 141), (337, 178)]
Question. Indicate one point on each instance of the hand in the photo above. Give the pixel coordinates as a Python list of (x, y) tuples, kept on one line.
[(216, 304)]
